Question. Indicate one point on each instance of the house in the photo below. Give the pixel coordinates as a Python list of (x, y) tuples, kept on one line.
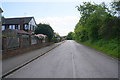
[(16, 32), (27, 24)]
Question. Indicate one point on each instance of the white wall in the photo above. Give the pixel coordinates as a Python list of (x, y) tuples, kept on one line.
[(32, 24)]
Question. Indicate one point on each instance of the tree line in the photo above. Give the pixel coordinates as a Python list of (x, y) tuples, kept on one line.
[(47, 30), (98, 24)]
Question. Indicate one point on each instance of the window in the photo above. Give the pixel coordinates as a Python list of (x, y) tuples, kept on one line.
[(16, 26), (10, 27), (13, 26), (6, 26), (19, 27), (25, 27), (3, 28)]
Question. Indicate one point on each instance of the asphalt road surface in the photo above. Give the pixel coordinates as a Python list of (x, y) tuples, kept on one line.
[(11, 63), (70, 60)]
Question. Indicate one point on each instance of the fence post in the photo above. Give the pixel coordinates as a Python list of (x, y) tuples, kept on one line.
[(4, 43), (41, 40), (30, 40), (20, 43)]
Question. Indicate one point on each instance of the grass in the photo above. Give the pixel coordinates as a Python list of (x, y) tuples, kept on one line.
[(109, 47)]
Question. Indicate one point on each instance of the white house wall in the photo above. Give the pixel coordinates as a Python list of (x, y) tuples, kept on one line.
[(32, 24)]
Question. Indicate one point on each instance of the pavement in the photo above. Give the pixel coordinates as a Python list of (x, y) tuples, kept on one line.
[(69, 60)]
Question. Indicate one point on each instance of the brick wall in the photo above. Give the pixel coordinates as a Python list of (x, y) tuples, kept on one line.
[(15, 52)]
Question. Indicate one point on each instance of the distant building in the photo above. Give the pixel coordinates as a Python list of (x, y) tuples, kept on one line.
[(27, 24), (63, 37)]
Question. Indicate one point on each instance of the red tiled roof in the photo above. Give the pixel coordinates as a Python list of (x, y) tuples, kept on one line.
[(40, 35)]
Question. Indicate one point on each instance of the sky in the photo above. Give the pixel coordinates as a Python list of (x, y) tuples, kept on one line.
[(61, 15)]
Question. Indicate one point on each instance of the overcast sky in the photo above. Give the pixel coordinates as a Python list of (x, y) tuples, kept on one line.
[(60, 14)]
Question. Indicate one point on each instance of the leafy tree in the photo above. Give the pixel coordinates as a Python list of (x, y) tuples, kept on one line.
[(85, 11), (57, 34), (86, 29), (81, 33), (116, 6), (70, 36), (116, 9), (94, 23), (44, 29), (99, 27), (73, 36), (56, 37)]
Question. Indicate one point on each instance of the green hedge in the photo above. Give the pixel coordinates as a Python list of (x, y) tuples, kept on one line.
[(109, 47)]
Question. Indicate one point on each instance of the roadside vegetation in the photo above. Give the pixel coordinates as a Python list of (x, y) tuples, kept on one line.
[(70, 36), (56, 38), (99, 27), (45, 29)]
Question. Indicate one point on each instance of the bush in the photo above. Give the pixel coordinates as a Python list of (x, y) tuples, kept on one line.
[(108, 46)]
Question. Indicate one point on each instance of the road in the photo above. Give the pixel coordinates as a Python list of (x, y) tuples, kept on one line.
[(10, 63), (70, 60)]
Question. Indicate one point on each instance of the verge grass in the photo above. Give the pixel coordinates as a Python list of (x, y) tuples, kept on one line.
[(110, 47)]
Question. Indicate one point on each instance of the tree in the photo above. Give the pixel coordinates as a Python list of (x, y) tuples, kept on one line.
[(94, 23), (81, 33), (56, 37), (116, 7), (45, 29), (85, 11), (70, 36)]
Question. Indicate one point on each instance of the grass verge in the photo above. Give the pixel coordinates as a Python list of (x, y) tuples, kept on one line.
[(110, 47)]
